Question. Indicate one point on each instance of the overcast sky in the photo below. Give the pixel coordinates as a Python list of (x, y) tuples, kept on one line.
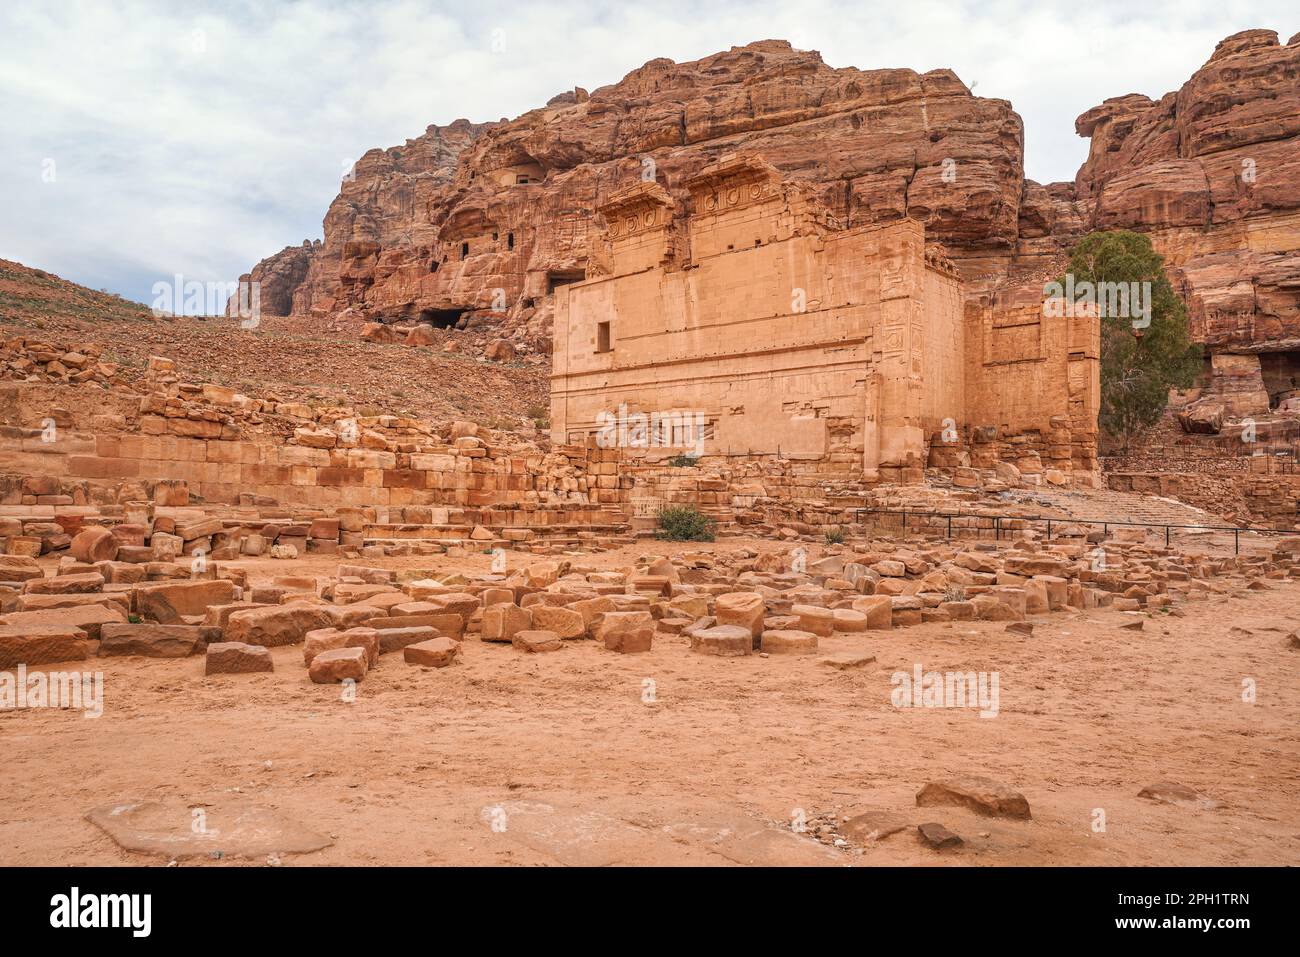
[(146, 138)]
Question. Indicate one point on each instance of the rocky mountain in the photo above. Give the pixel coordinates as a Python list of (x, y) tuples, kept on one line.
[(477, 223), (1212, 172)]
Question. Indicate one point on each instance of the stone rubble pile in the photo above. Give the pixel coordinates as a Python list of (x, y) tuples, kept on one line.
[(32, 360), (721, 603)]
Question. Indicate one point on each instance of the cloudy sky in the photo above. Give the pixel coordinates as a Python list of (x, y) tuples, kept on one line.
[(146, 138)]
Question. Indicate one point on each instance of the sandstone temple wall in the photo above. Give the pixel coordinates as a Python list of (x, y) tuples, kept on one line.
[(793, 339), (1035, 378)]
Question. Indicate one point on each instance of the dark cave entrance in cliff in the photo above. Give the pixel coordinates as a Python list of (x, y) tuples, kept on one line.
[(442, 318), (556, 279), (1281, 374)]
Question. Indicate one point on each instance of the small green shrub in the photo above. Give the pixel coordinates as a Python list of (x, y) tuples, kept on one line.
[(684, 523), (684, 461), (834, 535), (541, 416)]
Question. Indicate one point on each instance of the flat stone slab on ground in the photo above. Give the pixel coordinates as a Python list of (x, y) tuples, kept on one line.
[(847, 659), (870, 827), (745, 840), (1170, 792), (582, 837), (576, 837), (234, 829)]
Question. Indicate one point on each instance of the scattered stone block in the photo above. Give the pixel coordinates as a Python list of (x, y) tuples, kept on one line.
[(65, 584), (878, 610), (19, 568), (87, 618), (396, 639), (848, 620), (41, 645), (338, 664), (537, 641), (171, 603), (275, 625), (94, 544), (627, 632), (872, 827), (326, 639), (785, 642), (723, 640), (982, 795), (236, 658), (818, 621), (432, 652), (502, 622), (938, 837), (151, 641), (564, 622), (744, 609), (845, 661)]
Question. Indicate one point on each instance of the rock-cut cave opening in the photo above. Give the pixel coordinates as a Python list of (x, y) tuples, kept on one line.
[(441, 318)]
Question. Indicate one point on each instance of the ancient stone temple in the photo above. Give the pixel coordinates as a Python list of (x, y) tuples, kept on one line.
[(757, 327)]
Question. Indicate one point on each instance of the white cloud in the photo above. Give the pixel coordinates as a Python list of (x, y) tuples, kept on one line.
[(198, 139)]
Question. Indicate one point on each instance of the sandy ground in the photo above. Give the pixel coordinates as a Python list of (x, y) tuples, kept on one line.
[(508, 758)]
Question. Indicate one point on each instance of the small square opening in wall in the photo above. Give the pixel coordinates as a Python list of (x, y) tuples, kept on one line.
[(603, 341)]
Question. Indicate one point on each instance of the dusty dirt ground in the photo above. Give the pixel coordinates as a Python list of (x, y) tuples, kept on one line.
[(510, 758)]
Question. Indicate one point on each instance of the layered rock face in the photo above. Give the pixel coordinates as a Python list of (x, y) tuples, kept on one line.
[(1212, 172), (384, 204), (485, 221), (481, 222)]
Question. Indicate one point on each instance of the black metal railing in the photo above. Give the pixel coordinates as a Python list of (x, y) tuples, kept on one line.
[(1001, 527)]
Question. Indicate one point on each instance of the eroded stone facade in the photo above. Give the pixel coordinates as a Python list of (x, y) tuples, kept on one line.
[(753, 313)]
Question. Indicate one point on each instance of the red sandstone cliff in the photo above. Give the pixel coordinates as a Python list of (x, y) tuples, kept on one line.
[(1213, 173), (484, 220), (433, 228)]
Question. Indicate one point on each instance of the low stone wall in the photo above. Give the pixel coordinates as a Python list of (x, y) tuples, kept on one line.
[(74, 454), (1255, 490)]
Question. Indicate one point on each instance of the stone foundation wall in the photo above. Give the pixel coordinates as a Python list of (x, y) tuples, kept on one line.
[(71, 454)]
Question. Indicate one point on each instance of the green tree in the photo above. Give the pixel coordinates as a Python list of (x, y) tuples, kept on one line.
[(1146, 347)]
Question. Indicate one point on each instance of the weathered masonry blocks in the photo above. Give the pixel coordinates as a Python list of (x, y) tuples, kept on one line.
[(772, 333)]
